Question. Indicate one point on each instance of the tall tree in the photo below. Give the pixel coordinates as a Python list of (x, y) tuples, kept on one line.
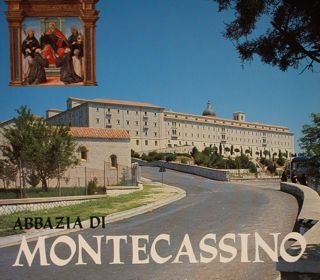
[(310, 141), (18, 137), (51, 152), (8, 172), (38, 148), (292, 37)]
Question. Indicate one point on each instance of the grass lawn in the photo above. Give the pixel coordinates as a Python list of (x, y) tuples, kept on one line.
[(97, 207)]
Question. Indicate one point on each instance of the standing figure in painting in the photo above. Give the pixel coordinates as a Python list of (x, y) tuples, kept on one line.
[(30, 42), (67, 73), (51, 41), (36, 73), (75, 41)]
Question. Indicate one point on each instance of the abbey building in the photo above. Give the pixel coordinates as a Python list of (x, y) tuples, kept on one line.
[(152, 127)]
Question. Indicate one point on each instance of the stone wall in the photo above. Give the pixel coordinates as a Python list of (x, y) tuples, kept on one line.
[(307, 267), (11, 206), (214, 174)]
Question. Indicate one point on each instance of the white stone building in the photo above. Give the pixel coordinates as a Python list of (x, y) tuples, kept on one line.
[(104, 154), (152, 127)]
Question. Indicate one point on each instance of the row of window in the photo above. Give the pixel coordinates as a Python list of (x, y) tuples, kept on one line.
[(118, 111), (146, 142), (223, 129), (127, 122), (238, 124)]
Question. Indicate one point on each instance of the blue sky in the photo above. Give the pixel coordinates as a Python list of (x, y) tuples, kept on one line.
[(172, 53)]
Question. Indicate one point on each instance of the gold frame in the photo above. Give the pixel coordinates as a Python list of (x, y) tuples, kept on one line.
[(83, 9)]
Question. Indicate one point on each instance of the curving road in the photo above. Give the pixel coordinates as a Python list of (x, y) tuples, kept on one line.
[(209, 207)]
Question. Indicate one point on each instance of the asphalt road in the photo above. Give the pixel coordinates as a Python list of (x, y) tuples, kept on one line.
[(209, 207)]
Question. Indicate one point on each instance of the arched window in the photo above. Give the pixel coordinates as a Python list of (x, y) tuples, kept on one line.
[(114, 161), (83, 153)]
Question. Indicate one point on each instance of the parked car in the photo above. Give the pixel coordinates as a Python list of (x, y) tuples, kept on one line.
[(302, 169)]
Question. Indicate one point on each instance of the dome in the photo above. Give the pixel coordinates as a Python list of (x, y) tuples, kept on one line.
[(209, 111)]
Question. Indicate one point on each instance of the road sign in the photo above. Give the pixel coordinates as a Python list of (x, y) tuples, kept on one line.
[(162, 169)]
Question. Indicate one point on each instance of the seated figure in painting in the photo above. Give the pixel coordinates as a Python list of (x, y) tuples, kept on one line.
[(51, 41), (67, 73), (34, 70)]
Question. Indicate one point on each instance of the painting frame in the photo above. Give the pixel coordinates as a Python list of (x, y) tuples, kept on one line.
[(20, 10)]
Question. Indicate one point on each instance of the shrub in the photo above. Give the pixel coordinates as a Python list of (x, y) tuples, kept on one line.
[(146, 157), (92, 186), (183, 160), (159, 156), (194, 151), (201, 159), (152, 154), (134, 154), (281, 161), (252, 167), (170, 157), (263, 161), (271, 167), (230, 164)]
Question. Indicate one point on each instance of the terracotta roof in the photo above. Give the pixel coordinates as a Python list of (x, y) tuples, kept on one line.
[(106, 133), (118, 102)]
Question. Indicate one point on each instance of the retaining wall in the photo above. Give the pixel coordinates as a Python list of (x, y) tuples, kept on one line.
[(215, 174), (10, 206), (308, 266)]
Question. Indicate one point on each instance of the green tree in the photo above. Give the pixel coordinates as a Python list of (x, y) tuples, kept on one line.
[(8, 172), (37, 147), (194, 151), (201, 159), (33, 179), (310, 141), (292, 37), (170, 157), (17, 138), (52, 151)]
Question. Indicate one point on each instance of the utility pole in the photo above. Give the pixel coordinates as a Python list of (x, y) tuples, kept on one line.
[(85, 179), (20, 178)]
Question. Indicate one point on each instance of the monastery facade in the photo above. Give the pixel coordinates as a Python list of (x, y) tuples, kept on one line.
[(152, 127)]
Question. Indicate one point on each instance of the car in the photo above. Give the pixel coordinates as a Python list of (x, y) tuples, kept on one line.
[(302, 169)]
